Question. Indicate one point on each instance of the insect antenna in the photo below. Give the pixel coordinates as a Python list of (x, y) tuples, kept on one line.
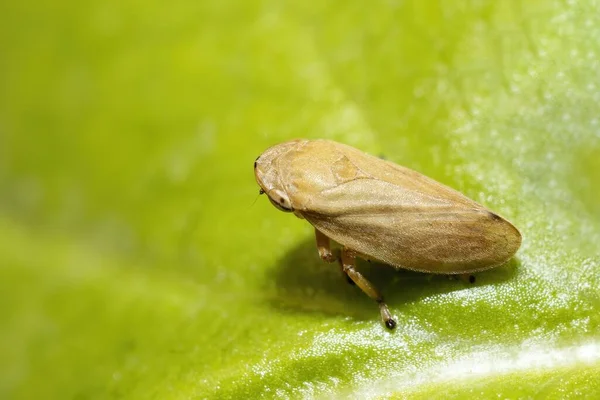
[(260, 192)]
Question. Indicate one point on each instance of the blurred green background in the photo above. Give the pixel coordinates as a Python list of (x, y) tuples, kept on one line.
[(136, 260)]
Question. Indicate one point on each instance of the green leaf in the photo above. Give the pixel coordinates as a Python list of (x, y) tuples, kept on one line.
[(137, 260)]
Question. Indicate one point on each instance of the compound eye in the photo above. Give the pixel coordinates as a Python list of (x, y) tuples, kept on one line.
[(280, 200)]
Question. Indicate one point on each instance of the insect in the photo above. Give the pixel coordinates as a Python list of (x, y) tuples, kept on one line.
[(379, 210)]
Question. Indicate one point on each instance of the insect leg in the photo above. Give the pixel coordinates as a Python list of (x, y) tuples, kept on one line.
[(348, 260), (464, 277), (324, 247)]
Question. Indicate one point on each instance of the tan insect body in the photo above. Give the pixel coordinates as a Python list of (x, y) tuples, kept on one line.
[(379, 210)]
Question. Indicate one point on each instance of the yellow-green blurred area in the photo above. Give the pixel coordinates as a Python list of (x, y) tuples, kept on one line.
[(138, 261)]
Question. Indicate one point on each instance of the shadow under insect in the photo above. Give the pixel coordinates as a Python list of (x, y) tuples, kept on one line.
[(305, 283)]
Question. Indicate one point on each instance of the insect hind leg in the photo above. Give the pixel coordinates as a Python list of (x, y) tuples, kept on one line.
[(348, 261)]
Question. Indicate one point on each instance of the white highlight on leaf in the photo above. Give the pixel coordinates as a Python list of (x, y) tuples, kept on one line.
[(482, 364)]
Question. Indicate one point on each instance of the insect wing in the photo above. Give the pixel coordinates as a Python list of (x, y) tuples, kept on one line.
[(410, 221)]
